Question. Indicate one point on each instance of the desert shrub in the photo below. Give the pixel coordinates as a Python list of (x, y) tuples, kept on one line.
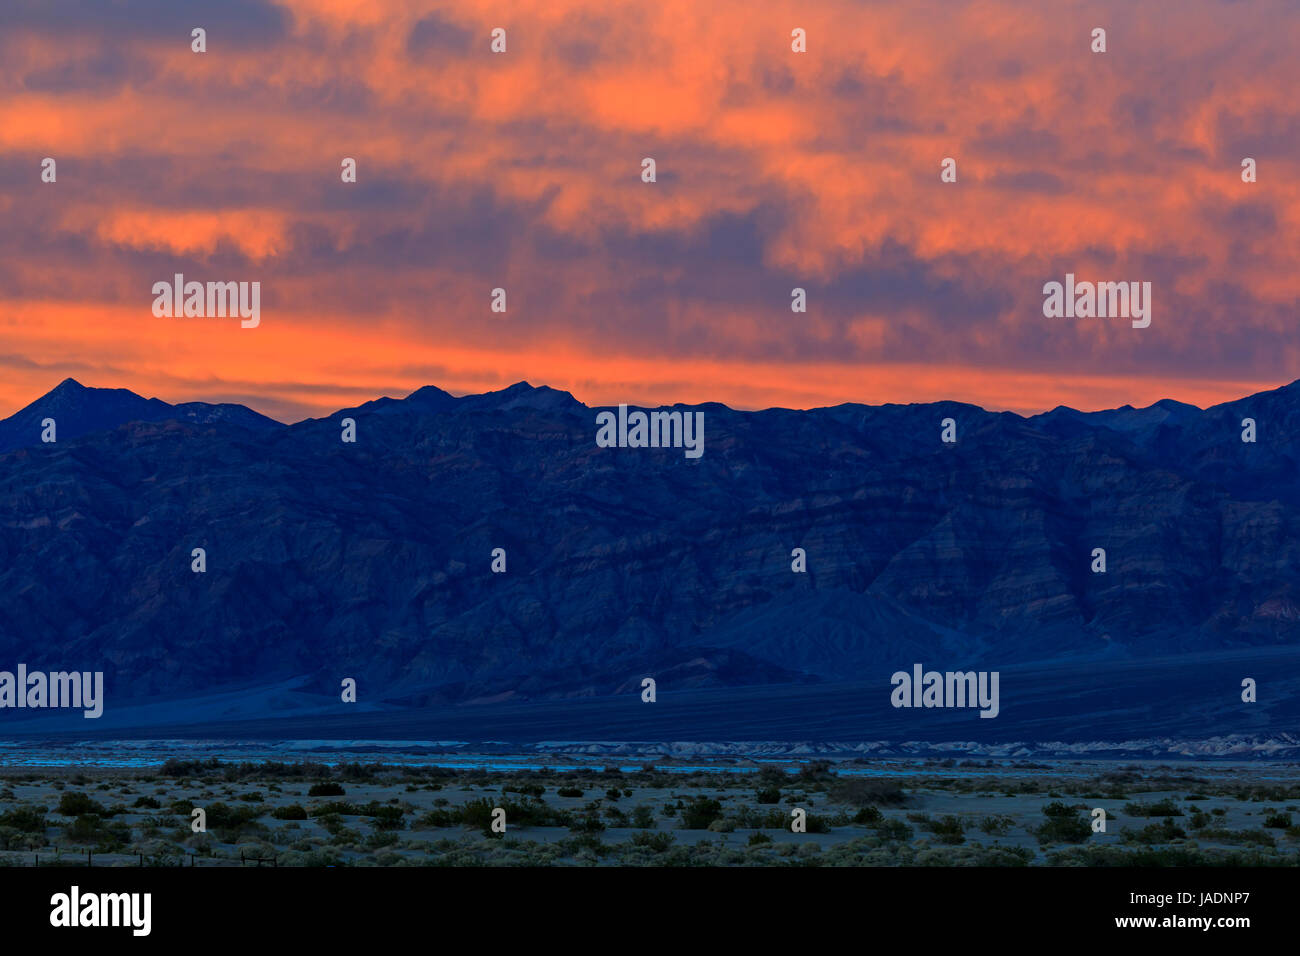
[(74, 804), (224, 815), (292, 811), (1163, 856), (192, 768), (149, 803), (385, 817), (1166, 831), (527, 789), (535, 813), (439, 819), (659, 842), (759, 839), (11, 839), (752, 818), (1164, 808), (92, 829), (1064, 825), (325, 856), (332, 823), (345, 836), (817, 771), (700, 812), (616, 817), (768, 795), (234, 823), (817, 823), (1248, 837), (569, 792), (83, 829), (590, 823), (868, 816), (1255, 838), (326, 789), (478, 814), (586, 843), (643, 817), (894, 830), (1278, 821), (24, 819), (996, 826), (774, 820), (948, 830)]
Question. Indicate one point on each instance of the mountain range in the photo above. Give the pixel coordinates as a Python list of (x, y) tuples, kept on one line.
[(78, 411), (373, 560)]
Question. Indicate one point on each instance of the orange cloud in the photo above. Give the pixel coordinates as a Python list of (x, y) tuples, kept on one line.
[(775, 169)]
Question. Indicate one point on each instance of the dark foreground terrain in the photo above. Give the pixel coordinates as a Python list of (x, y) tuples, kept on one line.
[(858, 813)]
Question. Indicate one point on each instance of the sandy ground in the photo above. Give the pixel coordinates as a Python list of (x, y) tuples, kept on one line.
[(1248, 815)]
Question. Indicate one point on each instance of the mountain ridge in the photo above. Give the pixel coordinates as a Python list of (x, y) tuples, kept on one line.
[(372, 560), (125, 406), (80, 410)]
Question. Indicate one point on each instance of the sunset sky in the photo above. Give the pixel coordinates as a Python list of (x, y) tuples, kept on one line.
[(775, 169)]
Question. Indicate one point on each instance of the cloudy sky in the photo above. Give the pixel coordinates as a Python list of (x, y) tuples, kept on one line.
[(775, 170)]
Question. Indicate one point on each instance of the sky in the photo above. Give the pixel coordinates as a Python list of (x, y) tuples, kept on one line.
[(775, 169)]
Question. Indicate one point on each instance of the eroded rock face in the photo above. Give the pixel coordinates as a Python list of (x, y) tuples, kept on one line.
[(372, 560)]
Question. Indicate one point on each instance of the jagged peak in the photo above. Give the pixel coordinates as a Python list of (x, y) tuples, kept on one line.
[(425, 391)]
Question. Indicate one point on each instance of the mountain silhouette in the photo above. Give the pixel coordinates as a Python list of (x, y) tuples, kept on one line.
[(78, 410), (372, 560)]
